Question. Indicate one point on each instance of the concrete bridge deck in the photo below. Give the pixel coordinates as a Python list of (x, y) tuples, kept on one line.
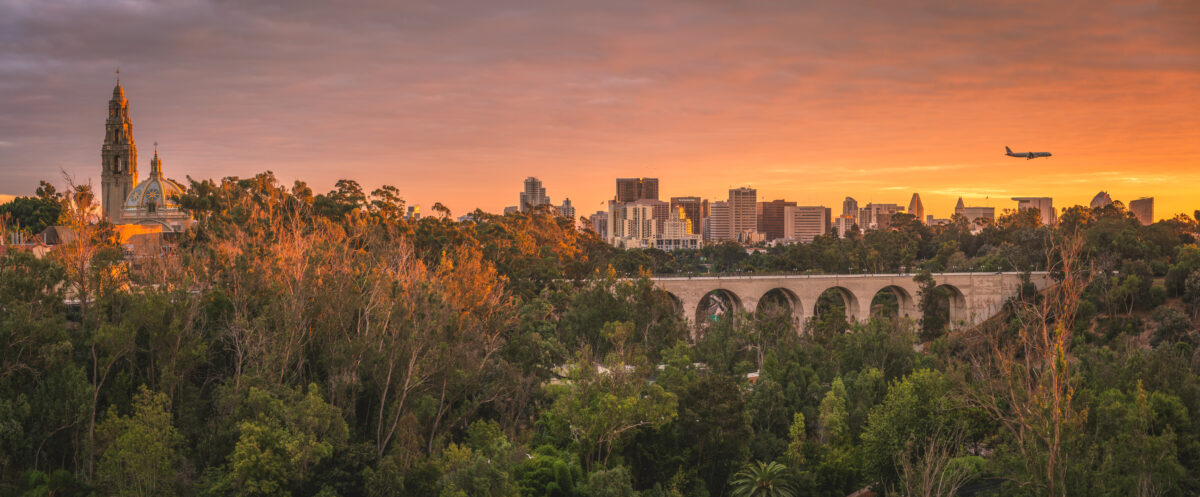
[(974, 297)]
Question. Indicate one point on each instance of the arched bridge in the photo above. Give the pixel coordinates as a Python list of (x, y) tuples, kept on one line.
[(973, 297)]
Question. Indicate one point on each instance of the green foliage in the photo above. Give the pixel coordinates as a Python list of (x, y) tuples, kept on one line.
[(833, 422), (281, 437), (549, 472), (762, 480), (596, 408), (933, 305), (302, 343), (916, 408), (613, 482), (140, 455), (32, 215)]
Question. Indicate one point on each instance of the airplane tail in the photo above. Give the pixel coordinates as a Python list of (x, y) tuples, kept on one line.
[(1006, 149)]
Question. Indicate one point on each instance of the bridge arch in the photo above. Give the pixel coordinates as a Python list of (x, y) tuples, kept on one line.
[(676, 303), (956, 301), (893, 300), (717, 302), (782, 297), (848, 299)]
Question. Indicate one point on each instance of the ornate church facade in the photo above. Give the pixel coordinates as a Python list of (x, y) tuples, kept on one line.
[(125, 200)]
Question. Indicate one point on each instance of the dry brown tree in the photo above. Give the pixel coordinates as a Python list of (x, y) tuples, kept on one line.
[(1023, 377)]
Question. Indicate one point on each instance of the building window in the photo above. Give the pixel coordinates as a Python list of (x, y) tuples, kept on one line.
[(151, 207)]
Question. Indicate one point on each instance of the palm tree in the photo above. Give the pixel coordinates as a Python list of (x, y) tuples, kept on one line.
[(763, 479)]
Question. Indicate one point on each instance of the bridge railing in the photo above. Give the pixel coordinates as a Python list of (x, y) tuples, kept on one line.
[(803, 275)]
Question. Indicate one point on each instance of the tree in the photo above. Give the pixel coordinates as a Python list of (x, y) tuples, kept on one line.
[(598, 407), (933, 306), (281, 438), (934, 468), (762, 479), (916, 431), (140, 456), (33, 214), (1024, 380), (833, 423)]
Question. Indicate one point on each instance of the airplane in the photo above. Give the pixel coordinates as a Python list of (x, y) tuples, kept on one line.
[(1026, 155)]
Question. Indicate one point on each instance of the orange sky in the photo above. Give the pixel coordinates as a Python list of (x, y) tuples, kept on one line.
[(458, 102)]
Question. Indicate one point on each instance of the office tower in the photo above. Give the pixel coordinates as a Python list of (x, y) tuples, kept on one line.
[(631, 189), (719, 226), (676, 232), (512, 209), (566, 209), (534, 195), (414, 213), (843, 225), (599, 222), (1101, 200), (659, 208), (631, 225), (850, 208), (1143, 209), (1044, 205), (877, 216), (770, 218), (803, 223), (695, 209), (743, 205), (916, 208)]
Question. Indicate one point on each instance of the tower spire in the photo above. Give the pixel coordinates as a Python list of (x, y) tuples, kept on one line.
[(118, 156), (156, 163)]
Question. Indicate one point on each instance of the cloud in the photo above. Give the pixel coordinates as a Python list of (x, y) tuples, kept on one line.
[(450, 99)]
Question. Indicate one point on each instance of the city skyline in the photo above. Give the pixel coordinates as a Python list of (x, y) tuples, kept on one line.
[(448, 103)]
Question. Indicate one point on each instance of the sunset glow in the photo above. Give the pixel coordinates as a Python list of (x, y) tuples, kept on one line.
[(459, 101)]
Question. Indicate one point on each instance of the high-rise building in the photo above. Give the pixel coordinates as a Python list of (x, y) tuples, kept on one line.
[(719, 226), (659, 208), (413, 213), (631, 189), (843, 225), (916, 208), (803, 223), (118, 157), (599, 222), (676, 232), (1044, 205), (534, 195), (771, 218), (877, 216), (1101, 200), (695, 209), (631, 225), (566, 209), (743, 205), (1143, 209), (850, 208)]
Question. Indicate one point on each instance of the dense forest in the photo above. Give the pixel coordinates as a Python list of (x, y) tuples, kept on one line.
[(301, 344)]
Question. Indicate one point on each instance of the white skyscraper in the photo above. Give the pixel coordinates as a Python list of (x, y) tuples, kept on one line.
[(534, 195), (803, 223)]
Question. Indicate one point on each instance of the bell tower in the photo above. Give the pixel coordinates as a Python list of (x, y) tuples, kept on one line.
[(118, 156)]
